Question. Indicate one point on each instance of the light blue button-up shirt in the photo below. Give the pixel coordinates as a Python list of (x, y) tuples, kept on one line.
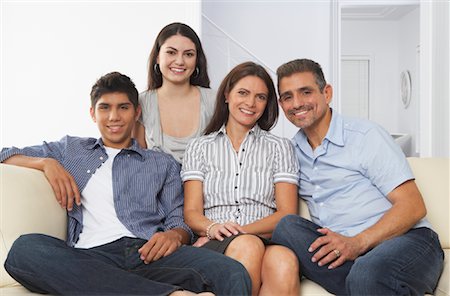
[(345, 181), (147, 189)]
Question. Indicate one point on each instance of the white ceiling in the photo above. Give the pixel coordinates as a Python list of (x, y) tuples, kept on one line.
[(376, 12)]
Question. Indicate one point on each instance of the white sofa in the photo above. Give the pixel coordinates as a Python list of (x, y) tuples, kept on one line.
[(27, 205)]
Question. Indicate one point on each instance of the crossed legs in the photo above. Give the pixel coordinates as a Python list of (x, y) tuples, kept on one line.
[(45, 264)]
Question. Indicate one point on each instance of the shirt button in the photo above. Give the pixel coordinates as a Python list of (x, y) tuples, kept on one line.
[(240, 163), (128, 155), (315, 168), (236, 201), (321, 204), (243, 150), (101, 157), (235, 187), (88, 171), (237, 174), (317, 187)]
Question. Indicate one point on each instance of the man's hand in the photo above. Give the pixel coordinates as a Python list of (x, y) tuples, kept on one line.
[(63, 184), (335, 248), (161, 244)]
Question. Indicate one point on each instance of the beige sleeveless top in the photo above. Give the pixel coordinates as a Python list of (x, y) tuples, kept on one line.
[(150, 119)]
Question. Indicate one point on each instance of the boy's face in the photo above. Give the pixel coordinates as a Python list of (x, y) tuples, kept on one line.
[(115, 116)]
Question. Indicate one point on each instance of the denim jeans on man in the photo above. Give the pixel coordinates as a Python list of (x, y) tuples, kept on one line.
[(45, 264), (409, 264)]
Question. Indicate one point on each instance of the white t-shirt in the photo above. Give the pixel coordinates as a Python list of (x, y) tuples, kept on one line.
[(100, 222)]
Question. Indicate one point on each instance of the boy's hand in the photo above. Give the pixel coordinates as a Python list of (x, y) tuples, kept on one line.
[(161, 244), (63, 184)]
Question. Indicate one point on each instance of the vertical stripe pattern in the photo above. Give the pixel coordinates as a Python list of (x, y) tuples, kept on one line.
[(239, 186)]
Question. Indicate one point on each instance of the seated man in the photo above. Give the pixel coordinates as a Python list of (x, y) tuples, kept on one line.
[(368, 235), (125, 229)]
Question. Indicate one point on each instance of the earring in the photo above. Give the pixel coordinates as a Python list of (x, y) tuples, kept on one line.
[(196, 73), (157, 70)]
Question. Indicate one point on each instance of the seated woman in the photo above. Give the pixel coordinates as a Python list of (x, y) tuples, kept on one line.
[(240, 180)]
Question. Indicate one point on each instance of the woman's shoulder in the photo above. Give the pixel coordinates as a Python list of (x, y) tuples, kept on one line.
[(147, 95), (207, 92), (208, 98)]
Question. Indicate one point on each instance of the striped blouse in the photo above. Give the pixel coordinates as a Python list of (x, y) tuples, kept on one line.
[(239, 186)]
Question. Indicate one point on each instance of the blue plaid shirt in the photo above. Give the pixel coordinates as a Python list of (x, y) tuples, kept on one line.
[(147, 188)]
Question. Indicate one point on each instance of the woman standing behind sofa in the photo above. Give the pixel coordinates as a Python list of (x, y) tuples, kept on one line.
[(178, 103), (240, 180)]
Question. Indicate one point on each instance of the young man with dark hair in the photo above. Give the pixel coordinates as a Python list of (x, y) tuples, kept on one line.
[(126, 233)]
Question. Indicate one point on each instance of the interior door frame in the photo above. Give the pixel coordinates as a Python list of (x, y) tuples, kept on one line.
[(425, 55)]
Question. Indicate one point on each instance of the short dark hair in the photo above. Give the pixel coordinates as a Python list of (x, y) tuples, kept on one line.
[(114, 82), (221, 112), (199, 78), (300, 66)]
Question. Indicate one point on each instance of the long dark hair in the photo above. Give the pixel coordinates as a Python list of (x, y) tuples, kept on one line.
[(199, 78), (221, 112)]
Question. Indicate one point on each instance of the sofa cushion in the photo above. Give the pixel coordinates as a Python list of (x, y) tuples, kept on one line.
[(33, 200), (432, 178)]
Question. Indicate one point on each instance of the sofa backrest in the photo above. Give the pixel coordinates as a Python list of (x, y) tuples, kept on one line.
[(432, 178), (28, 205)]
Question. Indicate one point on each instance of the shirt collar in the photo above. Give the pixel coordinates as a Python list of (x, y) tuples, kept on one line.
[(256, 131), (335, 133), (133, 148)]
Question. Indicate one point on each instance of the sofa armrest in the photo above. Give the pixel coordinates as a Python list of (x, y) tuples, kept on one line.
[(27, 205)]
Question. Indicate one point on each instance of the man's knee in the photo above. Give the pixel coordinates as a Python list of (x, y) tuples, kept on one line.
[(366, 277), (291, 227), (27, 251), (22, 248)]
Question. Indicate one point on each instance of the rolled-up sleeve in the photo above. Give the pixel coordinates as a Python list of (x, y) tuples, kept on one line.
[(286, 166), (193, 162)]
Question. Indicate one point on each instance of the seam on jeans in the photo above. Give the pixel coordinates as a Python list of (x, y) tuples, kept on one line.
[(203, 278), (429, 246)]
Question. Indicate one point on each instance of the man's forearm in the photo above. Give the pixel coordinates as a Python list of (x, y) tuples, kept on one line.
[(407, 209), (26, 161)]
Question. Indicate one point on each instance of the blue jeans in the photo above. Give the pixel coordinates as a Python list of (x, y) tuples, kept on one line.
[(409, 264), (45, 264)]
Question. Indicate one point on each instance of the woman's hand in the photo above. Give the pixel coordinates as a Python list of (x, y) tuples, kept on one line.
[(201, 241), (227, 229)]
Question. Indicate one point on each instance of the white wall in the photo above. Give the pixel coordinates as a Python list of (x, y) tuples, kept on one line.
[(53, 52), (275, 32), (392, 48), (378, 41), (408, 120)]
